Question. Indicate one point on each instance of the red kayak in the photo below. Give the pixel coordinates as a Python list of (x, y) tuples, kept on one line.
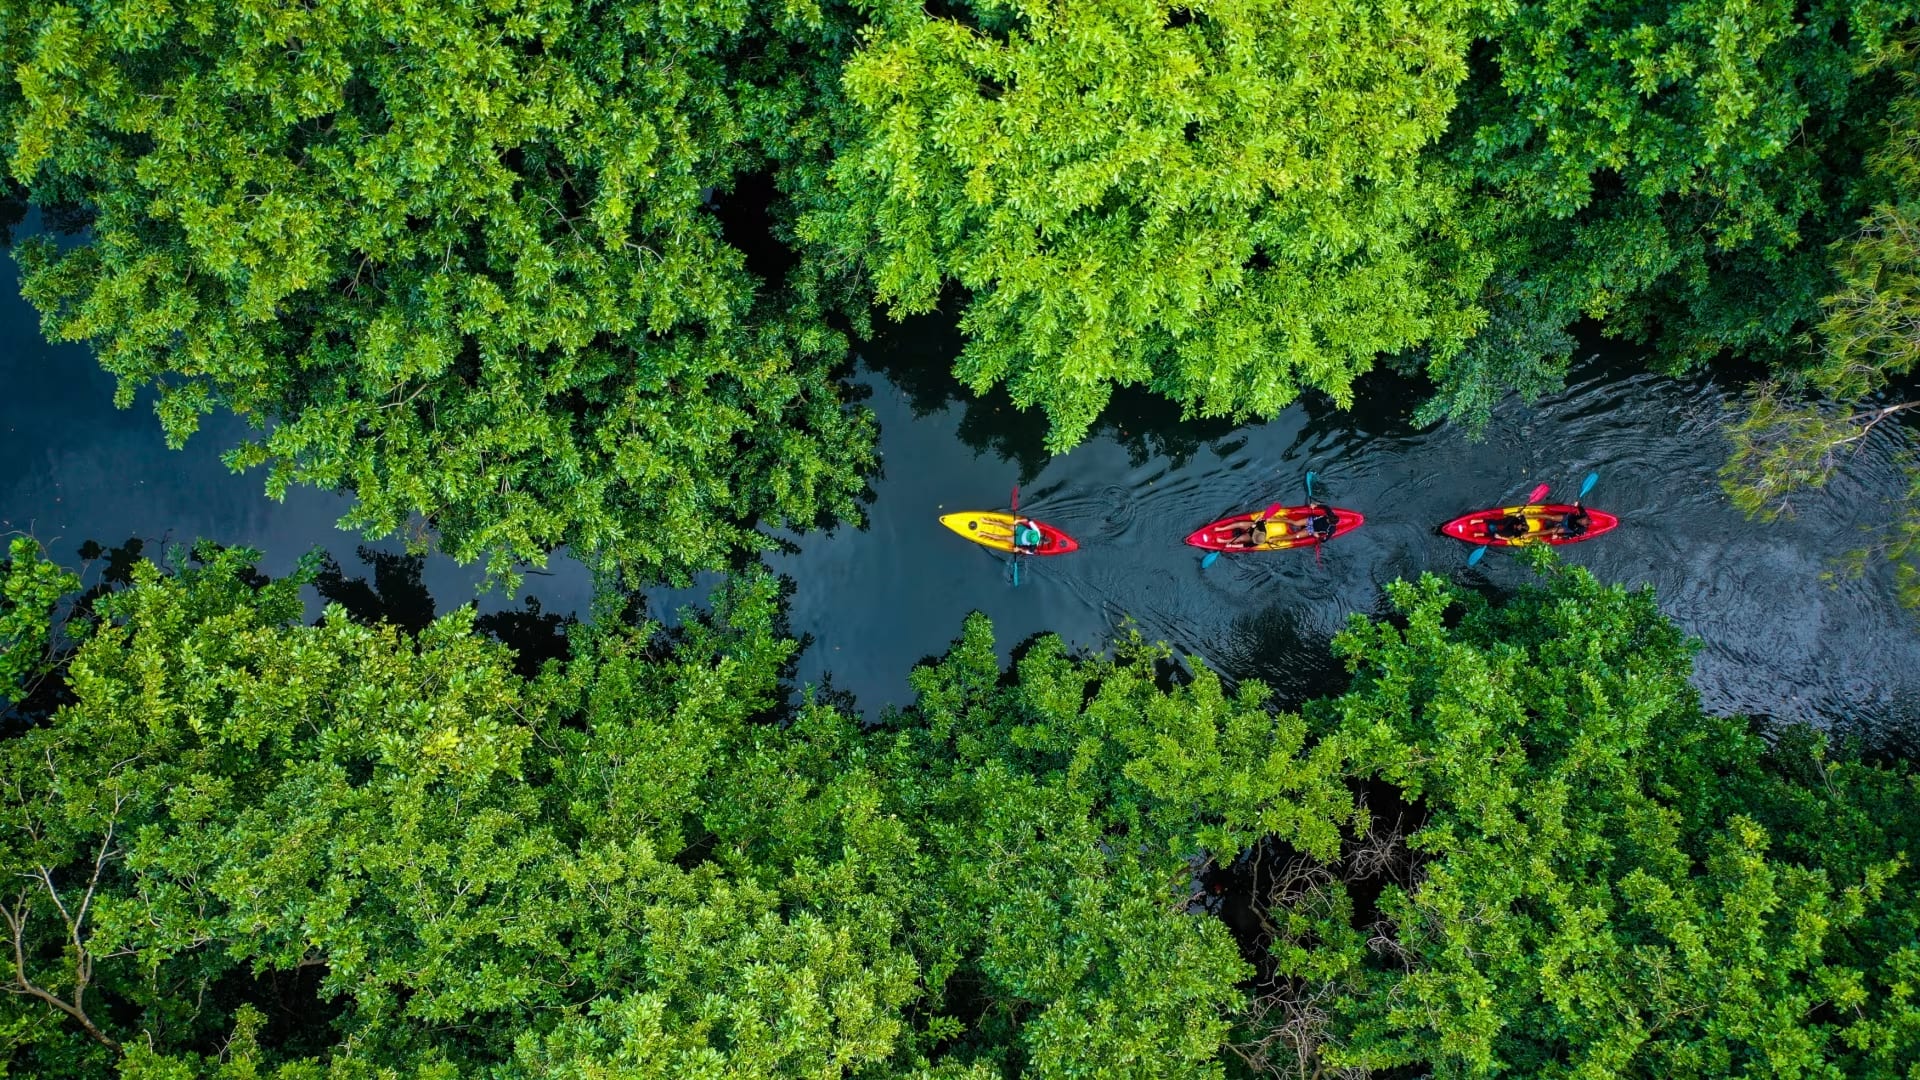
[(1542, 525), (1285, 529)]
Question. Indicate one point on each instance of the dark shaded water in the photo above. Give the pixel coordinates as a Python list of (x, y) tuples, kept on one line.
[(74, 468), (873, 601)]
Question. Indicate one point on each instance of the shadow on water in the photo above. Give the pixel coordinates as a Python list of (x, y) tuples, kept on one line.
[(13, 211), (916, 355), (1273, 645), (396, 594)]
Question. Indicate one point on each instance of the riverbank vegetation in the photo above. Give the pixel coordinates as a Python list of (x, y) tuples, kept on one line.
[(241, 845), (505, 273), (1799, 427), (519, 276)]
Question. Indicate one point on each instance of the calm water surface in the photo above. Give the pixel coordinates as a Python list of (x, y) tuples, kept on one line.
[(1779, 640), (873, 601)]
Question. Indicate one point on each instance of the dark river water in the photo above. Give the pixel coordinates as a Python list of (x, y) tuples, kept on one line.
[(1778, 639)]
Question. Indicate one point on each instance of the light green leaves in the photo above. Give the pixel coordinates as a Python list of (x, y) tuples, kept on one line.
[(31, 588), (1671, 172), (1795, 432), (1603, 881), (1225, 202), (1514, 846), (452, 260)]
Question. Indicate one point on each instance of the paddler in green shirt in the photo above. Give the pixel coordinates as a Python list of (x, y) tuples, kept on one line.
[(1026, 536)]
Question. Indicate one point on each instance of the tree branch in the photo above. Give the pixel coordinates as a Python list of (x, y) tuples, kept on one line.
[(20, 912), (16, 918)]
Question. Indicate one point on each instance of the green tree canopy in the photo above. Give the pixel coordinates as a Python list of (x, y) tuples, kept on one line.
[(1796, 430), (1227, 202), (440, 861), (250, 847), (1673, 171), (453, 258), (1600, 880), (624, 864)]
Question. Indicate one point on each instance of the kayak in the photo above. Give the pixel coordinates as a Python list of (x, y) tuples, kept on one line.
[(1219, 537), (994, 529), (1541, 518)]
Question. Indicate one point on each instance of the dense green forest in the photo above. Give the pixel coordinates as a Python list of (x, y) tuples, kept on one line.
[(472, 262), (523, 275), (244, 846)]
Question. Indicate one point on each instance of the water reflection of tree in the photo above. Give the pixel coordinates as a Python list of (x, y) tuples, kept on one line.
[(59, 218), (1296, 662), (13, 210), (397, 594), (916, 356)]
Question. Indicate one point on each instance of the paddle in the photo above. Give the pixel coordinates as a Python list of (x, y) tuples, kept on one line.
[(1316, 545), (1535, 496), (1261, 516), (1592, 479), (1014, 501)]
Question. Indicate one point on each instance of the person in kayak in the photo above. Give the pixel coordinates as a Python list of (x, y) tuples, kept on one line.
[(1321, 521), (1247, 534), (1507, 527), (1026, 536), (1574, 523)]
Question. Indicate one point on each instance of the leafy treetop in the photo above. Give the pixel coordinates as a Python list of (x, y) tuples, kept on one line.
[(1227, 202), (248, 847), (451, 258)]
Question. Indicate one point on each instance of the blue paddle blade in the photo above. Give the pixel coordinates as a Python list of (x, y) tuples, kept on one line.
[(1212, 557), (1478, 554), (1309, 485), (1592, 479), (1016, 573)]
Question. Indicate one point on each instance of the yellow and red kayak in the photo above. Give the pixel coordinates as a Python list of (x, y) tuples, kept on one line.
[(994, 529), (1541, 518), (1285, 529)]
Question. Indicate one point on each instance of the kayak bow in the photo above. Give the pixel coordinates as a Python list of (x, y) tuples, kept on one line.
[(1286, 529), (994, 529), (1540, 518)]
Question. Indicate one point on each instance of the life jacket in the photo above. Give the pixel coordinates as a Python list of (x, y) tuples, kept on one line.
[(1508, 528)]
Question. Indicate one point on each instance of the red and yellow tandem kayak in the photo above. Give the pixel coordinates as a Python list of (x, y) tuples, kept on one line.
[(1285, 529), (1543, 525), (994, 529)]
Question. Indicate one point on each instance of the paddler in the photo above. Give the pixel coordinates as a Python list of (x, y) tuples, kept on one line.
[(1026, 536), (1574, 523), (1247, 534), (1507, 527), (1321, 521)]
